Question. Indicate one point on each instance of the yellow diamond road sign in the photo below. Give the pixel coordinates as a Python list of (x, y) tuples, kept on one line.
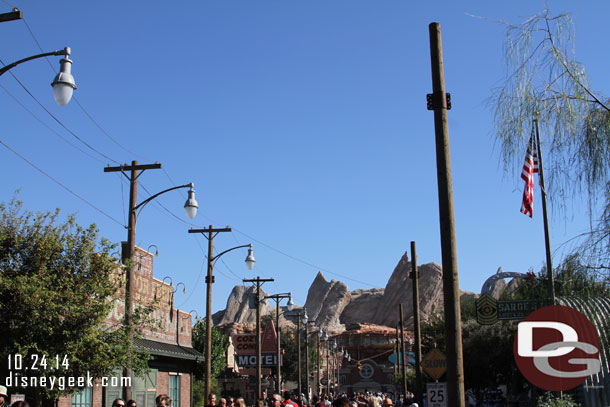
[(435, 364)]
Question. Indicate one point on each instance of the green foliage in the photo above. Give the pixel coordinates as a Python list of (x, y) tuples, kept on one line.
[(220, 343), (572, 279), (57, 286), (290, 357), (551, 400), (488, 355), (544, 76)]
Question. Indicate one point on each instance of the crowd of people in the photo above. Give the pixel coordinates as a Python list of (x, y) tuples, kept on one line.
[(287, 399)]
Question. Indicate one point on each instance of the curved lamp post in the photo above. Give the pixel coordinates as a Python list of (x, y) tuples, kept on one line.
[(289, 306), (128, 248), (63, 84), (209, 234), (302, 318)]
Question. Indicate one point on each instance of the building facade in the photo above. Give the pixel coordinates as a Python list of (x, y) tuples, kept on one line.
[(168, 342)]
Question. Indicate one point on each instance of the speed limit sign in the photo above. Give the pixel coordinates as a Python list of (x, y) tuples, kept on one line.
[(437, 394)]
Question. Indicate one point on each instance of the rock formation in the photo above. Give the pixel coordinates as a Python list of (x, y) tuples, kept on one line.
[(326, 301), (362, 307), (332, 306), (399, 290)]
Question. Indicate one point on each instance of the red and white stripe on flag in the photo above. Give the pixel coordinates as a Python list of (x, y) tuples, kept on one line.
[(527, 174)]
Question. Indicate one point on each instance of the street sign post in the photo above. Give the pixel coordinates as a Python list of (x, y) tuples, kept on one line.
[(436, 394)]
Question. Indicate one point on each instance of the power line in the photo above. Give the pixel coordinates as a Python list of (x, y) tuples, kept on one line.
[(57, 120), (60, 184), (48, 127), (75, 99)]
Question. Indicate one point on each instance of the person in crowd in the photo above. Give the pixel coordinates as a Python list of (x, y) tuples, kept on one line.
[(211, 400), (240, 402), (288, 399), (118, 402), (163, 400), (341, 402), (260, 403), (132, 403), (275, 400), (230, 401), (3, 396), (222, 402), (21, 403)]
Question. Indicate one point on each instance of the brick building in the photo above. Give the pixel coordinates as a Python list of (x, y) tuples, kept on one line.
[(169, 344)]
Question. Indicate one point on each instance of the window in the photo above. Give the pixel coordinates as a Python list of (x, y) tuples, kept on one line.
[(83, 398), (174, 389)]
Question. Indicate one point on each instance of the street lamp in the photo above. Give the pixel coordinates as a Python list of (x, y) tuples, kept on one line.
[(63, 84), (289, 306), (128, 248), (209, 234)]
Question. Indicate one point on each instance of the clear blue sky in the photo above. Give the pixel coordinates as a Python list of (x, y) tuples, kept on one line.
[(303, 125)]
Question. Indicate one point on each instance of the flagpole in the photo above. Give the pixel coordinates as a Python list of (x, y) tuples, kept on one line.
[(547, 239)]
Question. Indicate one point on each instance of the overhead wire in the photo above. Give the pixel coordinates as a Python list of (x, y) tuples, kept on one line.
[(75, 99), (169, 212), (60, 184), (59, 121), (49, 127)]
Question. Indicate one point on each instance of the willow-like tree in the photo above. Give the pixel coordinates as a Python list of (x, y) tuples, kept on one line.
[(544, 77), (58, 285)]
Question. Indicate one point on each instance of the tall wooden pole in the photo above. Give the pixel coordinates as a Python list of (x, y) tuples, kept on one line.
[(416, 328), (453, 332), (278, 385), (259, 371), (403, 356), (299, 355), (319, 390), (307, 363), (547, 236)]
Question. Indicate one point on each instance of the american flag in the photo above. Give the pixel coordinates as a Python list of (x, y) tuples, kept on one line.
[(529, 168)]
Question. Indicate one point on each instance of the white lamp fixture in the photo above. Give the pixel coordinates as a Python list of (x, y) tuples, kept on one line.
[(191, 205), (63, 84), (250, 260), (290, 304)]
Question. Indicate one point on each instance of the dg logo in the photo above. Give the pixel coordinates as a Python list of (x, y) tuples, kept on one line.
[(556, 348)]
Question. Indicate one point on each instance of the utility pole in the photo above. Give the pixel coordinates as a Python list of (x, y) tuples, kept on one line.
[(416, 328), (128, 248), (403, 356), (440, 102), (259, 281), (209, 234), (306, 362), (299, 354)]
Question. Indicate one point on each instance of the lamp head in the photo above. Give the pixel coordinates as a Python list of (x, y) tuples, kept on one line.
[(250, 260), (290, 304), (326, 335), (304, 318), (63, 84), (191, 205), (320, 333)]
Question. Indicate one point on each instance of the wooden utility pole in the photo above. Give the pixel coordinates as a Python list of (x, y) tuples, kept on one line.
[(299, 354), (403, 355), (128, 248), (416, 328), (259, 281), (440, 102), (209, 234)]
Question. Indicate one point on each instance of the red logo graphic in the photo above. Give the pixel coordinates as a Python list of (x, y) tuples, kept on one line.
[(556, 348)]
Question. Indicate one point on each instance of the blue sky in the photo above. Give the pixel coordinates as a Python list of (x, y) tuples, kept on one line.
[(302, 124)]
